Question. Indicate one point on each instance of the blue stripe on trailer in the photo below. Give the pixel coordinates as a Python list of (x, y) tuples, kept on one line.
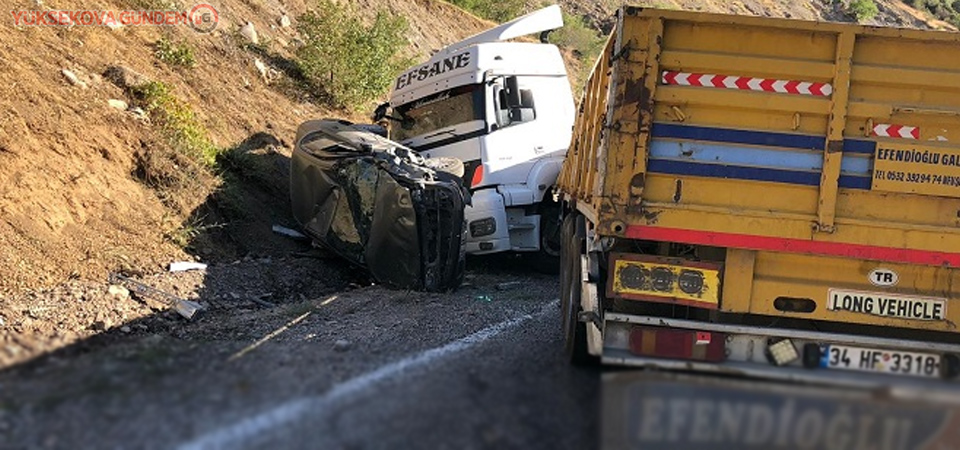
[(801, 141), (806, 178), (751, 156), (749, 137), (858, 146), (855, 182)]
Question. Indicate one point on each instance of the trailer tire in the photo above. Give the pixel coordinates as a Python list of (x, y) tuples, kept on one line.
[(573, 234)]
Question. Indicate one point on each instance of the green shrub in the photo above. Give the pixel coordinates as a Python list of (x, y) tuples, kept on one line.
[(495, 10), (351, 62), (577, 35), (945, 10), (178, 121), (585, 42), (174, 53), (863, 9)]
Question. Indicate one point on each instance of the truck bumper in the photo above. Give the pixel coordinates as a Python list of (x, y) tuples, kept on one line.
[(487, 229)]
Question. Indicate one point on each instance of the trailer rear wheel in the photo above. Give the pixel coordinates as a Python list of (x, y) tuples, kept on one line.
[(574, 331)]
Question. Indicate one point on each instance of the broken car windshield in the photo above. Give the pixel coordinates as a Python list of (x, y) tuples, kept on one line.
[(438, 111)]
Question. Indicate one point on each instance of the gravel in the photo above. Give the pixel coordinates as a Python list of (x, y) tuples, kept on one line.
[(111, 371)]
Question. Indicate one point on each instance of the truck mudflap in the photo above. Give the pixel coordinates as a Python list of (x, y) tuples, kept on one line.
[(649, 410), (379, 205), (779, 354)]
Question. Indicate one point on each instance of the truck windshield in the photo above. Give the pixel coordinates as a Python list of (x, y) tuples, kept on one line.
[(441, 110)]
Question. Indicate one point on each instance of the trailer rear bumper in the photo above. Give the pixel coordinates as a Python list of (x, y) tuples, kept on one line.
[(747, 351)]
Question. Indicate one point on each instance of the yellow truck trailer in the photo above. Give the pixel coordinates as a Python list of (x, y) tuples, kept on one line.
[(766, 197)]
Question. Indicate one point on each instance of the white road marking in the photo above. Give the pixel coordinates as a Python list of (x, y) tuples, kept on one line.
[(269, 336), (234, 436)]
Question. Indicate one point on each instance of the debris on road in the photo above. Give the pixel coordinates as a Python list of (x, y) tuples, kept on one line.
[(484, 298), (289, 232), (182, 266), (185, 308)]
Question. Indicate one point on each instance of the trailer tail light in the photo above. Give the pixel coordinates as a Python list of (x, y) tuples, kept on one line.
[(678, 344), (665, 280), (477, 176)]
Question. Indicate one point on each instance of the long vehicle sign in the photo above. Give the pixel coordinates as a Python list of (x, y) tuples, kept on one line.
[(887, 304)]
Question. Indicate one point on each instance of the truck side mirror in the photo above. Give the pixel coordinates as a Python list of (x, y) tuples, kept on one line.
[(380, 112), (513, 92)]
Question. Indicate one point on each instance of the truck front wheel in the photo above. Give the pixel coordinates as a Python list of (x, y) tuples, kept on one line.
[(547, 259), (573, 235)]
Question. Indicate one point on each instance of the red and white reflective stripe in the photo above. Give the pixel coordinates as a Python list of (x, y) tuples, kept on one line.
[(746, 83), (896, 131)]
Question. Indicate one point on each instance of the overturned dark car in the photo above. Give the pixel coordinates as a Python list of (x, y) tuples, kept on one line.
[(380, 205)]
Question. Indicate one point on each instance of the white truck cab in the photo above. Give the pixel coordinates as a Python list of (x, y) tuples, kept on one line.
[(506, 110)]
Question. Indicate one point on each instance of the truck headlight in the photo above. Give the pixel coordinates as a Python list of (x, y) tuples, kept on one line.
[(483, 227)]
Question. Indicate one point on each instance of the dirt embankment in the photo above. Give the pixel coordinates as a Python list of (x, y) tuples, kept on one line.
[(73, 204), (70, 203)]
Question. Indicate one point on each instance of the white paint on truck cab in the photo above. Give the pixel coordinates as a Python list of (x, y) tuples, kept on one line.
[(503, 108)]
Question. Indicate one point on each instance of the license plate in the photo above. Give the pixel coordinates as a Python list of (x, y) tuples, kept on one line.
[(887, 304), (883, 361)]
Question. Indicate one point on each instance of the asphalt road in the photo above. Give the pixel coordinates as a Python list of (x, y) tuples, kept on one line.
[(505, 386), (362, 368), (373, 368)]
